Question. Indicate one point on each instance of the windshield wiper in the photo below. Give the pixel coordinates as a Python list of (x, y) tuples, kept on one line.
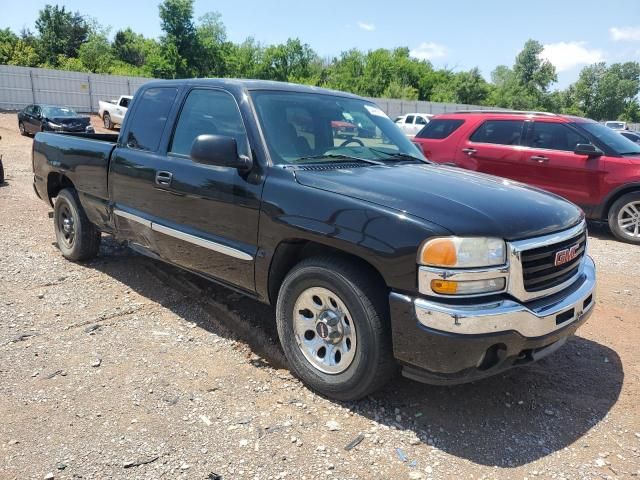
[(338, 156), (399, 155), (630, 153)]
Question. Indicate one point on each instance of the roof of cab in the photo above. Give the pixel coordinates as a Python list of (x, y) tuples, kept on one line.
[(244, 84)]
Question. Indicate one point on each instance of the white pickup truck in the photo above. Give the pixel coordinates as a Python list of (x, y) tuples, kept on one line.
[(113, 112), (412, 123)]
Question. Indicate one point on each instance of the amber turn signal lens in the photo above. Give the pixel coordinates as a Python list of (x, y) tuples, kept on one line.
[(441, 252), (444, 287)]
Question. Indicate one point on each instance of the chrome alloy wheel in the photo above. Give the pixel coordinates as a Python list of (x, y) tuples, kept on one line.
[(629, 219), (324, 330)]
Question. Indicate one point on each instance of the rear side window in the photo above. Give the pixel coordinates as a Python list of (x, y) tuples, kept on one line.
[(554, 136), (502, 132), (420, 121), (208, 112), (150, 118), (438, 129)]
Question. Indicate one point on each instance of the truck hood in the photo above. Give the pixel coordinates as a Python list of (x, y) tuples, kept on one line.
[(463, 202)]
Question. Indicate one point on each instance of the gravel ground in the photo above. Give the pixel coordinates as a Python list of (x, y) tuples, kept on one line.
[(126, 368)]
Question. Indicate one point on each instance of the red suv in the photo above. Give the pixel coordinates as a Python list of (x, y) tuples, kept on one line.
[(576, 158)]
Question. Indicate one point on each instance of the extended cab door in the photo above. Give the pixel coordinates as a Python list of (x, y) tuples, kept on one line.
[(550, 145), (494, 148), (203, 218)]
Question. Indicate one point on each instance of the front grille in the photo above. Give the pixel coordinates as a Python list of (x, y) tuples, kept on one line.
[(538, 265)]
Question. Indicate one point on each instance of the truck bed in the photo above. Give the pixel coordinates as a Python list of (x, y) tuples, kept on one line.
[(83, 158)]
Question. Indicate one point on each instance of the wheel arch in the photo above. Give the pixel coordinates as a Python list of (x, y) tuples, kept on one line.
[(57, 181), (292, 251), (603, 212)]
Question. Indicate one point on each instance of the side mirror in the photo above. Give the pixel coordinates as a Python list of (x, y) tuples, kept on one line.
[(220, 151), (587, 149)]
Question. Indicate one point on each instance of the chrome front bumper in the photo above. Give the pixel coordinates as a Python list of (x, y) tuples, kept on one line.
[(535, 319)]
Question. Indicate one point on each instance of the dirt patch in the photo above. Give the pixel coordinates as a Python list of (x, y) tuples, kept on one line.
[(125, 368)]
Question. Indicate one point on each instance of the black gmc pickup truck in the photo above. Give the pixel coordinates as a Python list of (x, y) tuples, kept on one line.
[(374, 257)]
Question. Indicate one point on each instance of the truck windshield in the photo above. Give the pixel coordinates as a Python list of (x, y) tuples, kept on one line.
[(303, 127), (618, 143)]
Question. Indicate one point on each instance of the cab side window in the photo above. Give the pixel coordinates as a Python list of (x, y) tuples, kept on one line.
[(208, 112), (150, 118), (409, 119), (500, 132), (554, 136)]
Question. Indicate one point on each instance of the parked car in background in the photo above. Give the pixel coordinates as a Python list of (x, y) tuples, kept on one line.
[(41, 118), (633, 136), (113, 112), (343, 129), (412, 123), (616, 125), (576, 158), (374, 258)]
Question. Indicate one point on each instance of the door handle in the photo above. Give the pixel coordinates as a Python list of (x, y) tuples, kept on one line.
[(469, 151), (163, 178), (539, 159)]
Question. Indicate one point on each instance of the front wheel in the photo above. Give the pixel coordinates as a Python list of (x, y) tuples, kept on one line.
[(333, 325), (78, 239), (23, 131), (624, 218)]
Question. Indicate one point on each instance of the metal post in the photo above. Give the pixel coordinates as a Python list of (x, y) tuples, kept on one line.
[(90, 95), (128, 87), (33, 89)]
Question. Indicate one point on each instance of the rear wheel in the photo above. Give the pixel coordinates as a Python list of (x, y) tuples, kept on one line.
[(334, 328), (106, 120), (1, 171), (624, 218), (78, 239)]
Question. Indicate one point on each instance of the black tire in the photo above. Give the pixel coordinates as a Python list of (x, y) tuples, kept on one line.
[(623, 209), (78, 239), (106, 120), (23, 131), (372, 364), (1, 172)]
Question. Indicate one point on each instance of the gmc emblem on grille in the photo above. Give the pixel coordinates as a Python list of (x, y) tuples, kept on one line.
[(566, 255)]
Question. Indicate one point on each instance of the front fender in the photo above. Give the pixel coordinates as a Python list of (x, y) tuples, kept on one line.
[(385, 238)]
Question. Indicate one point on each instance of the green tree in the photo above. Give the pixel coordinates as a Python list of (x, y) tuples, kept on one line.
[(96, 54), (60, 33), (464, 87), (287, 61), (129, 47), (24, 55), (347, 72), (531, 71), (180, 42), (606, 93), (211, 35), (242, 60), (396, 90), (8, 41)]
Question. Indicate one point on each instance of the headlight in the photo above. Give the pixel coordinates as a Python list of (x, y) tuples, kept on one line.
[(457, 252), (54, 126)]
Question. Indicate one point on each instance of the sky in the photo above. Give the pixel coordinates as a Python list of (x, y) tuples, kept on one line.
[(458, 34)]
